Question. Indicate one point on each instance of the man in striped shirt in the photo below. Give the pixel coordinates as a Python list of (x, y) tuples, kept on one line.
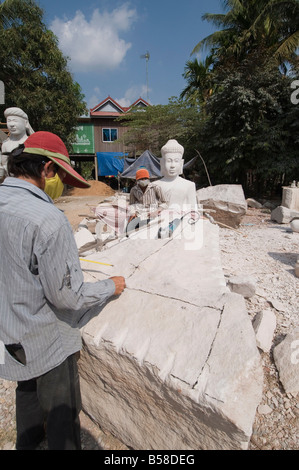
[(44, 299), (146, 200), (144, 192)]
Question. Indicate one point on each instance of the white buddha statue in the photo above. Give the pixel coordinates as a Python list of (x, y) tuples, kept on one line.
[(177, 191), (19, 129)]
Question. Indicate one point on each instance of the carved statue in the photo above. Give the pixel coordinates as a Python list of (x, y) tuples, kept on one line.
[(176, 190), (19, 129), (174, 196)]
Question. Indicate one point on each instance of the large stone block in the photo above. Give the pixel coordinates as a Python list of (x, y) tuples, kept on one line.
[(290, 198), (172, 363), (264, 325), (283, 215), (226, 200)]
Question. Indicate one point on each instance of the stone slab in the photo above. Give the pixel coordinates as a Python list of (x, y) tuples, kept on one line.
[(264, 325), (172, 363)]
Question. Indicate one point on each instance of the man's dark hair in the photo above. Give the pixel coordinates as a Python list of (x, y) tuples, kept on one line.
[(25, 164)]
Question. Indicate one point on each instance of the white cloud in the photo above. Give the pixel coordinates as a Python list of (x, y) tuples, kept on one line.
[(94, 99), (132, 94), (95, 44)]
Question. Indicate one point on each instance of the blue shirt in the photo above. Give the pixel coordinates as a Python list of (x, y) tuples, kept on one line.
[(43, 297)]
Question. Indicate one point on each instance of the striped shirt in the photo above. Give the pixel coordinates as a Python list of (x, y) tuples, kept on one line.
[(151, 196), (43, 299)]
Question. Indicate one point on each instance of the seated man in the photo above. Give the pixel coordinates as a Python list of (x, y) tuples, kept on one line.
[(144, 192)]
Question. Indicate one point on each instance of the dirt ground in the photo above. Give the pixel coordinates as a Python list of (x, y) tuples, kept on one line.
[(80, 203), (77, 208)]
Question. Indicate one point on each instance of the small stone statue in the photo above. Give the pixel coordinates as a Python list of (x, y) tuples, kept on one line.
[(176, 190), (19, 129)]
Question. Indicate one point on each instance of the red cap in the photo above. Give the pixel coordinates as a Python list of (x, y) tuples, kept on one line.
[(52, 147)]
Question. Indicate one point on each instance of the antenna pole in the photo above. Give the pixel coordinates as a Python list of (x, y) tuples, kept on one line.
[(146, 57)]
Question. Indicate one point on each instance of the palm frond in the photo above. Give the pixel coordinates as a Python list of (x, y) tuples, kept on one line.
[(250, 24), (214, 39), (216, 19), (233, 4), (288, 47)]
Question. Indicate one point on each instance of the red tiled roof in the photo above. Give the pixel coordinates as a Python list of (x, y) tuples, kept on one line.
[(105, 113)]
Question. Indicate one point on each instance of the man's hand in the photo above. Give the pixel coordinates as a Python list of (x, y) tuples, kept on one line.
[(120, 284)]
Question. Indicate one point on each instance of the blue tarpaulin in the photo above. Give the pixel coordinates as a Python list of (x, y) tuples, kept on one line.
[(110, 163)]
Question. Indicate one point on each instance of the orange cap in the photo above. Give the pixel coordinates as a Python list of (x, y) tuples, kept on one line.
[(142, 173)]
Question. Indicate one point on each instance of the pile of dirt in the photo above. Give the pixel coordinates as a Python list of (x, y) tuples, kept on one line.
[(97, 188)]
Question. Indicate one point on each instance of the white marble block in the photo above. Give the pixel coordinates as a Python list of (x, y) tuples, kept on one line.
[(172, 363)]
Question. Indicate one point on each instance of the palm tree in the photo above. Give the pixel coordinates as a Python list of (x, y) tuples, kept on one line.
[(248, 24), (198, 77)]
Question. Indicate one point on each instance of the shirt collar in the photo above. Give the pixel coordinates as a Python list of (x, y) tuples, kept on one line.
[(20, 183)]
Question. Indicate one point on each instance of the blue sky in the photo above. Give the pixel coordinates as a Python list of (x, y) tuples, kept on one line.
[(105, 40)]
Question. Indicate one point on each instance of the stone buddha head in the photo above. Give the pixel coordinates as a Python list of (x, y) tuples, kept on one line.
[(172, 159)]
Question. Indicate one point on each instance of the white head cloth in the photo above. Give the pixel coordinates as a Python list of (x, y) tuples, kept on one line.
[(20, 113)]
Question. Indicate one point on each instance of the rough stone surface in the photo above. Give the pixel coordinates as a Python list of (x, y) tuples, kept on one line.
[(242, 285), (227, 200), (295, 225), (290, 198), (172, 363), (286, 356), (264, 325), (260, 247), (83, 237), (283, 215), (253, 203), (268, 252)]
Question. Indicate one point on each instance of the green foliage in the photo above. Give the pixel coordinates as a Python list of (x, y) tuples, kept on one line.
[(250, 24), (86, 170), (151, 128), (35, 72), (248, 125), (199, 81), (252, 125)]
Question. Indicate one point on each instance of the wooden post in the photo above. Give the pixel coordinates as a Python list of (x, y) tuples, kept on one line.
[(96, 167)]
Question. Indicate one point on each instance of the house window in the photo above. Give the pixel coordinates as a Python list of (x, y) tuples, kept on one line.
[(109, 135)]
